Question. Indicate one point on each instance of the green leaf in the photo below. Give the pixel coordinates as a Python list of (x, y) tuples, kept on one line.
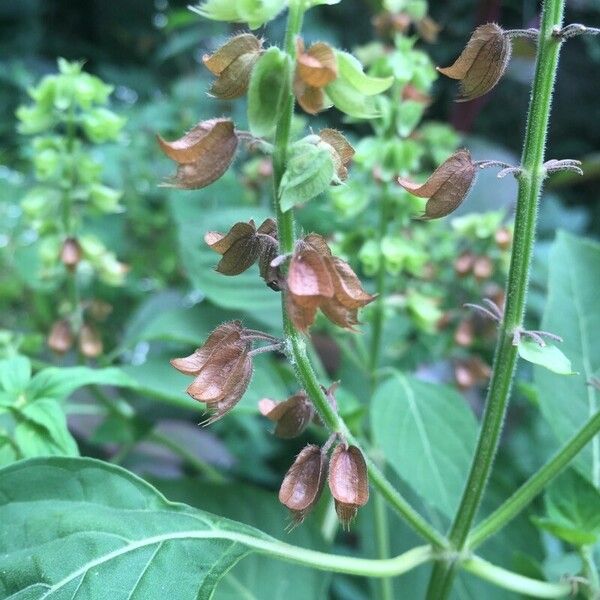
[(311, 3), (427, 433), (573, 510), (351, 71), (548, 356), (15, 373), (267, 90), (79, 528), (246, 293), (572, 312), (351, 102), (254, 12), (308, 173), (58, 383)]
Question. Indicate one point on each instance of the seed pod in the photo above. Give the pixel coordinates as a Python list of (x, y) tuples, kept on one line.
[(447, 187), (482, 63), (202, 155), (483, 268), (503, 238), (463, 265), (341, 151), (60, 338), (71, 253), (303, 483), (292, 416), (232, 63), (90, 342), (348, 481), (463, 335), (243, 245)]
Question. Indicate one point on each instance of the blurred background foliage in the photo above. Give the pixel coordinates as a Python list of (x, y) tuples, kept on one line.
[(170, 299)]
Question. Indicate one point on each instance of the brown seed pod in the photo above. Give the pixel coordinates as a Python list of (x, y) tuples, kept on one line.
[(341, 151), (303, 483), (463, 336), (232, 64), (482, 63), (463, 265), (292, 416), (90, 342), (71, 253), (60, 338), (447, 187), (202, 155), (483, 268), (348, 481), (503, 238), (316, 68), (243, 245)]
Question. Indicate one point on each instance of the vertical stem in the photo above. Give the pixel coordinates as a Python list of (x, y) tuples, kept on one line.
[(295, 342), (382, 536), (590, 572), (530, 186)]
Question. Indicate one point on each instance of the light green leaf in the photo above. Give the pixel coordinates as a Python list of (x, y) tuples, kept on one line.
[(269, 83), (351, 102), (311, 3), (58, 383), (246, 293), (308, 173), (572, 312), (572, 509), (351, 71), (548, 356), (254, 12), (80, 528), (427, 433), (15, 373)]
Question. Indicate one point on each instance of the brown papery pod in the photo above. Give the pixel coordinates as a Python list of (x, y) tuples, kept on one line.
[(308, 274), (341, 149), (203, 154), (483, 268), (482, 63), (60, 338), (90, 342), (463, 265), (303, 483), (311, 99), (232, 64), (292, 416), (447, 187), (348, 481), (317, 67), (71, 253)]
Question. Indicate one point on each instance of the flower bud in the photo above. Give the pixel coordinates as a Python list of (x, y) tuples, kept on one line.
[(71, 253), (90, 342), (60, 338), (482, 62), (232, 63), (348, 481), (303, 483), (341, 152), (447, 187), (291, 416), (202, 155)]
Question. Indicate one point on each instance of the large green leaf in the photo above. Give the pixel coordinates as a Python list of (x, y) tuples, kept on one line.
[(572, 312), (245, 293), (80, 528), (427, 433)]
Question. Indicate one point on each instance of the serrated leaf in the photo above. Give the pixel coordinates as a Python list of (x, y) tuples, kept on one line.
[(352, 72), (572, 312), (548, 356), (77, 528), (308, 173), (269, 83), (428, 434)]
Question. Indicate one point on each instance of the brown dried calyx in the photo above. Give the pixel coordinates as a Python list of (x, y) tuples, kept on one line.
[(203, 154), (317, 279), (222, 368), (71, 253), (89, 341), (303, 483), (341, 152), (292, 416), (243, 245), (60, 339), (447, 186), (316, 68), (232, 63), (482, 63), (348, 481)]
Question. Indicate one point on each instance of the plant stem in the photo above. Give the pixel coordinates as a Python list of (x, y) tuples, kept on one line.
[(534, 485), (515, 582), (382, 536), (295, 342), (530, 186), (590, 572)]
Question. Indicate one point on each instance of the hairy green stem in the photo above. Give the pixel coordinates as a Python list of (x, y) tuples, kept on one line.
[(590, 572), (534, 485), (530, 185), (382, 537), (295, 342)]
